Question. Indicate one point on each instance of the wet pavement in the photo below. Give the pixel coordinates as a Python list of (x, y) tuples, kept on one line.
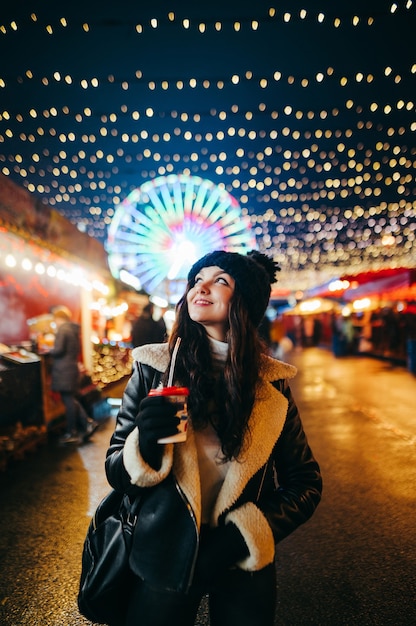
[(353, 563)]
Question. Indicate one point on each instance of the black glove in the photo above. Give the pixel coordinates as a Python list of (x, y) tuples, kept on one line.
[(220, 548), (156, 419)]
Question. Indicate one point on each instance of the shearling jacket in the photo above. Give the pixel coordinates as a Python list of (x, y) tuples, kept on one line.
[(267, 493)]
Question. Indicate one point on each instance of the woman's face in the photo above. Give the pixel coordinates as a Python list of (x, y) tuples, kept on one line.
[(209, 300)]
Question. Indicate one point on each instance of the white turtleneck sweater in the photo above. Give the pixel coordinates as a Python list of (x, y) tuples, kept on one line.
[(211, 468)]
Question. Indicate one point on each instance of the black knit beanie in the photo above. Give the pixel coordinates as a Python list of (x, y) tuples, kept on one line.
[(253, 273)]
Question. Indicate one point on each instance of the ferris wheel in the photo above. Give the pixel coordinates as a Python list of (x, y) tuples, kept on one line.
[(165, 225)]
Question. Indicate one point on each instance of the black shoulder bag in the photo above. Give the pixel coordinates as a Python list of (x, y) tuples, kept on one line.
[(106, 578)]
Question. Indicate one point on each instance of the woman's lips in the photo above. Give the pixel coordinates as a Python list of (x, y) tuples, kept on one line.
[(201, 301)]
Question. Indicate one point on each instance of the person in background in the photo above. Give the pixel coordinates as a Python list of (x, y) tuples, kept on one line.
[(214, 506), (147, 330), (308, 330), (348, 334), (65, 377), (277, 332)]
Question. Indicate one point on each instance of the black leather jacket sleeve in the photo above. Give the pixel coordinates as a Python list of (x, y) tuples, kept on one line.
[(292, 494), (143, 378)]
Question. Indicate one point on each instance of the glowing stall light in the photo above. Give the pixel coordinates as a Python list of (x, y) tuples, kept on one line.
[(61, 274), (107, 310), (100, 287), (360, 305), (164, 226), (169, 317), (10, 261), (27, 264), (338, 285), (160, 302), (310, 306), (119, 309), (33, 259)]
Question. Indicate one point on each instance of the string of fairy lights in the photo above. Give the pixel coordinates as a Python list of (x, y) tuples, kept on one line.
[(253, 23), (219, 83), (321, 160)]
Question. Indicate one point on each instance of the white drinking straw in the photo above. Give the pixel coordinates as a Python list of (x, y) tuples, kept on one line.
[(172, 363)]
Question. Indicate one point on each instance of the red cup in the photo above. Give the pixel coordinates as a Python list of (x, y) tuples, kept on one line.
[(179, 396)]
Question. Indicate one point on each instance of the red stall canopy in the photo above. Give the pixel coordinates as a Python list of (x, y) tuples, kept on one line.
[(392, 284)]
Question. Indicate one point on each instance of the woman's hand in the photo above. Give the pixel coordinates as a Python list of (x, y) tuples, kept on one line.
[(156, 419), (220, 549)]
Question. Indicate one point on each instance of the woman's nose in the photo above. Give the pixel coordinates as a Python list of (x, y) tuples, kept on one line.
[(203, 287)]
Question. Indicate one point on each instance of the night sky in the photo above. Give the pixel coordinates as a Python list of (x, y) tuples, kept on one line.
[(303, 111)]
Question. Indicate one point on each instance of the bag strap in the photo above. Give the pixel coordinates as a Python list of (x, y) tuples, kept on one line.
[(262, 481)]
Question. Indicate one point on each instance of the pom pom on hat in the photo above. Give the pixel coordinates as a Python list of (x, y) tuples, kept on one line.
[(254, 273)]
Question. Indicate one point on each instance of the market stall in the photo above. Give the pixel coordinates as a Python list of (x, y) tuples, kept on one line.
[(380, 306), (45, 261), (21, 415)]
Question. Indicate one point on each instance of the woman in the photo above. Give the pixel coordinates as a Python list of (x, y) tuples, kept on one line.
[(215, 505)]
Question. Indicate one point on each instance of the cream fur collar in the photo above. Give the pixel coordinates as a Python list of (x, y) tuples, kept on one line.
[(157, 356)]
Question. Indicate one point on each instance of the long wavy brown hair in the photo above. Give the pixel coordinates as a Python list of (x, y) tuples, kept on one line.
[(235, 391)]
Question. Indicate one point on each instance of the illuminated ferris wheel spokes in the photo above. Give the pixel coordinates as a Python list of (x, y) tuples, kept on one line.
[(161, 228)]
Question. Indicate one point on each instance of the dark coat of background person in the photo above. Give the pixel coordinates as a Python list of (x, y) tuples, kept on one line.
[(65, 377), (147, 330), (65, 353)]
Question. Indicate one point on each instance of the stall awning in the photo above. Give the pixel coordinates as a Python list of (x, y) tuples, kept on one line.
[(396, 284)]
